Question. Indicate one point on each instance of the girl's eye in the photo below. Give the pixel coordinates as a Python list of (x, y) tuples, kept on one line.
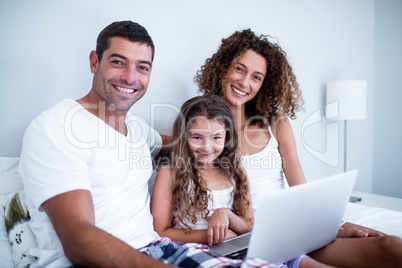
[(196, 138)]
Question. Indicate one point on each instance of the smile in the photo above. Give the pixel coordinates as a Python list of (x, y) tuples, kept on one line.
[(205, 154), (124, 90), (239, 92)]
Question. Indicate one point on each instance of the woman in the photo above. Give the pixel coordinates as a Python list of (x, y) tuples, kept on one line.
[(256, 81)]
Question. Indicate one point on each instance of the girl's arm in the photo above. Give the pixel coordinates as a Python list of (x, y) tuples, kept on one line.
[(163, 214), (287, 148)]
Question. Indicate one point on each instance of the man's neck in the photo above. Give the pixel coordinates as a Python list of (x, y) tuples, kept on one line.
[(107, 113)]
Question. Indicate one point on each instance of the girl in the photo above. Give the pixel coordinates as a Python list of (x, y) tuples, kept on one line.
[(205, 188), (256, 81)]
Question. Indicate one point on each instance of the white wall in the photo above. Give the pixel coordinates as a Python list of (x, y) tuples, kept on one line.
[(387, 175), (46, 44)]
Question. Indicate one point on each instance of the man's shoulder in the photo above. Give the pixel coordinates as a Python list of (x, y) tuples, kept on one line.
[(52, 120), (59, 109)]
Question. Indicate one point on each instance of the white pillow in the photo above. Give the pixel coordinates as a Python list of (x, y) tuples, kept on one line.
[(5, 249), (9, 164), (20, 236)]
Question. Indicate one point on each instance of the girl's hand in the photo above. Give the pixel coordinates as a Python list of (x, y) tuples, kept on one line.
[(218, 226)]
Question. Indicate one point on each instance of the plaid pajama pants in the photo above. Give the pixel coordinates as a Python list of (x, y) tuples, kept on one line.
[(198, 255)]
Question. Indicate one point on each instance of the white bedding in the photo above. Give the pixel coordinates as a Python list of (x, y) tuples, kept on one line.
[(387, 221), (384, 220)]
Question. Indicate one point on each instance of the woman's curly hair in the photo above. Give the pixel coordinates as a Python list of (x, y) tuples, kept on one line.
[(190, 194), (279, 94)]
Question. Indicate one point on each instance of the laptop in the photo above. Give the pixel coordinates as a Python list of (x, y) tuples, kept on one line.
[(294, 221)]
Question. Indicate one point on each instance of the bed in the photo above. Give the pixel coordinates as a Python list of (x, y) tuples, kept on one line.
[(16, 239)]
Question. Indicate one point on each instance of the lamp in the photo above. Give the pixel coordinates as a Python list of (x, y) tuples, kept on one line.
[(346, 100)]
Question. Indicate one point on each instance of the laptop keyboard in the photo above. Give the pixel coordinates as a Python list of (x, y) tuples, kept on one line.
[(237, 255)]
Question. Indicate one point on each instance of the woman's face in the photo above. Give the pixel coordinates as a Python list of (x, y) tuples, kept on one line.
[(245, 79)]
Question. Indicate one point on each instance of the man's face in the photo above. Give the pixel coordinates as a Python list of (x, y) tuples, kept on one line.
[(121, 77)]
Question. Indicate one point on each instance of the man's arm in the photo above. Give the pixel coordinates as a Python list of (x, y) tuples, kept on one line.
[(163, 157), (73, 219)]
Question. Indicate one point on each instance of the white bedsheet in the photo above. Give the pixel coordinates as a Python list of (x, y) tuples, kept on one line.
[(384, 220)]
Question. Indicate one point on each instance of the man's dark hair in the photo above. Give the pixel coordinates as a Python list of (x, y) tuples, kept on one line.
[(126, 29)]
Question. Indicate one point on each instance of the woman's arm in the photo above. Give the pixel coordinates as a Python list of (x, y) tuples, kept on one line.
[(287, 148), (163, 214), (294, 174)]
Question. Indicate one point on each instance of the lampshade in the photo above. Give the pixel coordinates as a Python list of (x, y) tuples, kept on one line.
[(346, 99)]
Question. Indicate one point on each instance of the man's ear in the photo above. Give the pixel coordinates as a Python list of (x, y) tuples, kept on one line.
[(93, 61)]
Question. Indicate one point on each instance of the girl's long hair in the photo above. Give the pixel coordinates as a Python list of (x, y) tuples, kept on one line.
[(190, 194)]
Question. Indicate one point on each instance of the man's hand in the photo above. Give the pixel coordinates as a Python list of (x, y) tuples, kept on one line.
[(218, 226), (349, 230)]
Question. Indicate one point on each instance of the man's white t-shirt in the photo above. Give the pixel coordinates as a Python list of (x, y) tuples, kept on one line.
[(67, 148)]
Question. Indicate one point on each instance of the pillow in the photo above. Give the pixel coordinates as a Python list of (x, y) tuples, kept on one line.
[(10, 183), (9, 164), (20, 235)]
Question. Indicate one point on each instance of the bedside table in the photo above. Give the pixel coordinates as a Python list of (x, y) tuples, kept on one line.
[(380, 201)]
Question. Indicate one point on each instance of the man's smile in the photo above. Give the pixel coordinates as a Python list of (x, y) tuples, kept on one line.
[(124, 89)]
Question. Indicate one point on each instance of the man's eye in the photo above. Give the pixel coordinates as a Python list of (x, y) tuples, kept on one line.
[(117, 62), (144, 68)]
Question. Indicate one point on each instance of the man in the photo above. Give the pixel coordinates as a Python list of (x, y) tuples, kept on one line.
[(84, 166)]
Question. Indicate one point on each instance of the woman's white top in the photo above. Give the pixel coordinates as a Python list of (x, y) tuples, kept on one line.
[(264, 170)]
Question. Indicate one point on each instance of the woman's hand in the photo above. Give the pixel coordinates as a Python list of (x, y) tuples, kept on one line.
[(349, 230), (218, 226)]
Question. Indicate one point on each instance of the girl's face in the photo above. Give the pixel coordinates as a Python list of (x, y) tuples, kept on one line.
[(245, 79), (206, 140)]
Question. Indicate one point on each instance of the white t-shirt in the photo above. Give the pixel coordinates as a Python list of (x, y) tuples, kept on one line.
[(67, 148)]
